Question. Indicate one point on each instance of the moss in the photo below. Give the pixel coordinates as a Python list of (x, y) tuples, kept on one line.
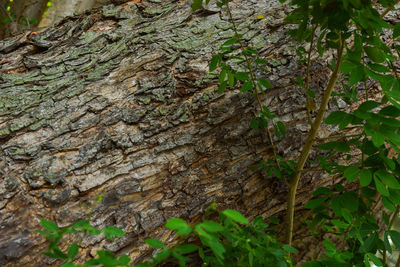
[(145, 100), (4, 132), (163, 110)]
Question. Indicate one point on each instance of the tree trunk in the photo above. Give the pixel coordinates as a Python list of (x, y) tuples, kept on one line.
[(118, 102), (60, 9)]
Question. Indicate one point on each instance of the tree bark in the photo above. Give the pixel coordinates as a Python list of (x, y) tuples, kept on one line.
[(118, 102)]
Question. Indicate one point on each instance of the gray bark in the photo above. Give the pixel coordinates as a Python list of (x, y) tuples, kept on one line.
[(119, 102)]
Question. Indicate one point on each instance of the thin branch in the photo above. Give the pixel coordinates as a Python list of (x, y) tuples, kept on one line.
[(337, 136), (253, 79), (308, 100), (305, 152)]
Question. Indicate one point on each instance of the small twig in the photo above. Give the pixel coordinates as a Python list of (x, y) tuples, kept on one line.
[(253, 79), (305, 152), (337, 136), (308, 100)]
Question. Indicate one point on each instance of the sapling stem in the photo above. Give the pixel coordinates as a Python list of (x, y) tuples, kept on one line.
[(307, 87), (305, 152)]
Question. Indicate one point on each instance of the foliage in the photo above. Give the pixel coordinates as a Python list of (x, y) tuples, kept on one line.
[(230, 241), (369, 159)]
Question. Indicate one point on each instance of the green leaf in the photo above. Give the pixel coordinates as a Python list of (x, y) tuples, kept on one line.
[(378, 139), (124, 259), (396, 30), (161, 256), (290, 249), (395, 196), (281, 127), (374, 54), (106, 258), (57, 254), (49, 225), (365, 177), (347, 66), (197, 4), (179, 225), (265, 83), (254, 123), (154, 243), (214, 62), (349, 200), (242, 76), (368, 105), (335, 117), (375, 259), (339, 223), (111, 232), (274, 220), (222, 75), (230, 41), (378, 68), (99, 198), (380, 187), (314, 203), (313, 263), (186, 248), (235, 216), (388, 204), (299, 81), (339, 146), (390, 111), (388, 179), (72, 251), (217, 248), (231, 79), (386, 241), (395, 237), (322, 191), (351, 173), (247, 86), (222, 87), (347, 215), (211, 226), (346, 120), (356, 75), (68, 264)]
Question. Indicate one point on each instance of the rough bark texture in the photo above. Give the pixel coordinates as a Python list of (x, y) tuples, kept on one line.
[(119, 102)]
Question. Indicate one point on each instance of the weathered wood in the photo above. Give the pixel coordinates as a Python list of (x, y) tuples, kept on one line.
[(119, 102)]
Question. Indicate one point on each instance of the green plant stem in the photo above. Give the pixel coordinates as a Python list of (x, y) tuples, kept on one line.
[(309, 142), (253, 79), (308, 100)]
